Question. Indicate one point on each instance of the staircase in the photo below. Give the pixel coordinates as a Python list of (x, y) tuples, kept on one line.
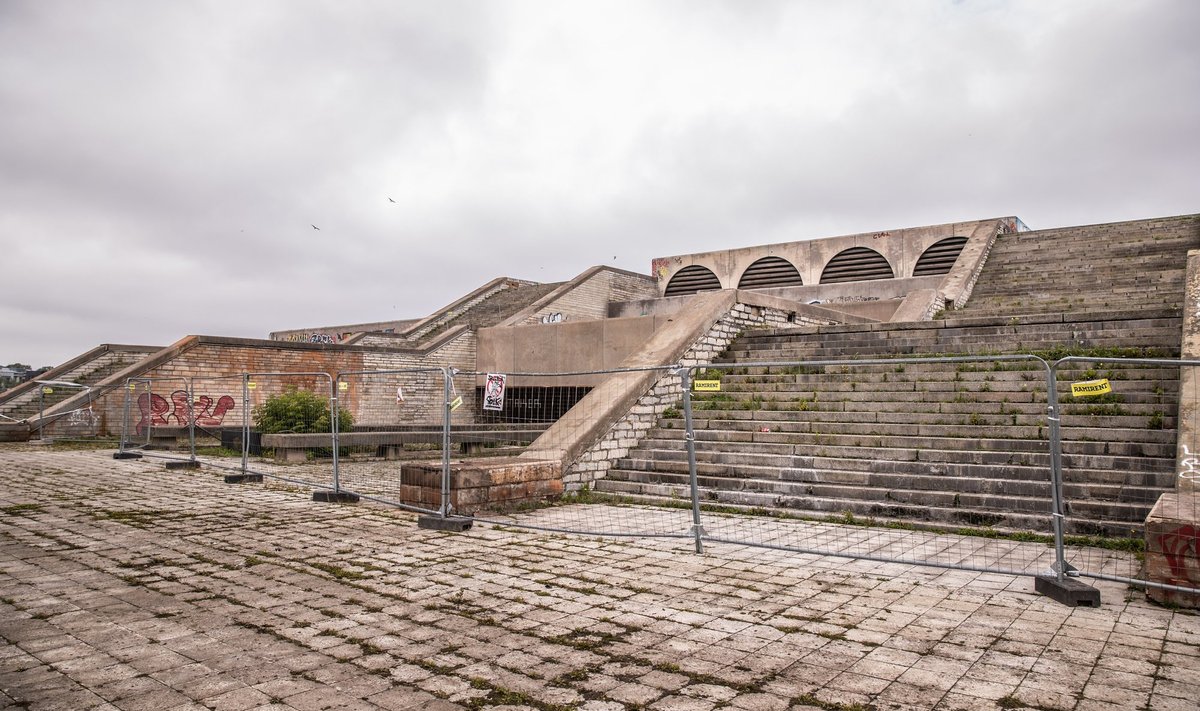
[(497, 307), (960, 444), (28, 400), (955, 444), (1121, 266)]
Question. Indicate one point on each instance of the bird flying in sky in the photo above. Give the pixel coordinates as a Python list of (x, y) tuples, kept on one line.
[(316, 228)]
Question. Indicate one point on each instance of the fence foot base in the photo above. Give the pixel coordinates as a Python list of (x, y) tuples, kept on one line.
[(437, 523), (126, 455), (1069, 591), (243, 478), (335, 497), (183, 465)]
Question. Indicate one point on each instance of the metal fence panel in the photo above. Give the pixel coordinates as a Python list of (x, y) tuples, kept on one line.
[(1122, 453), (874, 459), (82, 421), (288, 416), (219, 418), (554, 410), (156, 417), (390, 448)]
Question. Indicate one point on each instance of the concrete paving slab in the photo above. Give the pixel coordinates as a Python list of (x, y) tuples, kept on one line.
[(126, 586)]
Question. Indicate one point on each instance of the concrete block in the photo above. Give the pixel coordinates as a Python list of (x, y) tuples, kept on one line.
[(457, 524), (335, 497), (1069, 591), (1172, 533)]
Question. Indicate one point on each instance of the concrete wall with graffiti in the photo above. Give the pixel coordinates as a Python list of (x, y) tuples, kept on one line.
[(212, 369)]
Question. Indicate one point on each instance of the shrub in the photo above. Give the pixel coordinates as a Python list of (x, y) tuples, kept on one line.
[(298, 411)]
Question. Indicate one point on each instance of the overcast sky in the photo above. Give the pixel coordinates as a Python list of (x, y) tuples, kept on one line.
[(162, 164)]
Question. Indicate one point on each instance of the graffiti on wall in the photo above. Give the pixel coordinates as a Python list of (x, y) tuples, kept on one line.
[(1188, 464), (83, 417), (552, 318), (1181, 547), (205, 411), (329, 338)]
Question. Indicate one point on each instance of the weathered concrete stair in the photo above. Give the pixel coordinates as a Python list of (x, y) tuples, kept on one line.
[(1121, 266), (947, 444), (89, 371)]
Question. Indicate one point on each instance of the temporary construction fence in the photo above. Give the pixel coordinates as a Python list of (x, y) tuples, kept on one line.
[(875, 459), (1131, 406), (81, 421)]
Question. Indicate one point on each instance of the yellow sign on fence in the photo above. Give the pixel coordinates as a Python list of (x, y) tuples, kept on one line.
[(706, 386), (1091, 387)]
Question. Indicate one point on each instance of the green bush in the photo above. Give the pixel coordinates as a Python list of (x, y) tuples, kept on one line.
[(298, 411)]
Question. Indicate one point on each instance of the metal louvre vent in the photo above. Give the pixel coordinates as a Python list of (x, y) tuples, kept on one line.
[(856, 264), (770, 271), (692, 279), (940, 257)]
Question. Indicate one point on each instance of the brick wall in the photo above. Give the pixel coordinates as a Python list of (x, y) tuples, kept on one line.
[(215, 369)]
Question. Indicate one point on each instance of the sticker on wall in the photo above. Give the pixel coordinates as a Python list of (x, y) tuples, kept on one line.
[(1091, 387), (493, 391)]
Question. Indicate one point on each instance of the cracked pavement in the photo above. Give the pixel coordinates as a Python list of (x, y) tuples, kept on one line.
[(127, 586)]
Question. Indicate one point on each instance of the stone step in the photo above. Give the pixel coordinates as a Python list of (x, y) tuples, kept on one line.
[(914, 474), (964, 492), (657, 449), (924, 426), (755, 437), (795, 420), (1091, 521)]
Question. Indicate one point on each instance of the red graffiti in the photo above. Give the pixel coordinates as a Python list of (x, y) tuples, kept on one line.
[(157, 411), (1181, 548), (225, 403)]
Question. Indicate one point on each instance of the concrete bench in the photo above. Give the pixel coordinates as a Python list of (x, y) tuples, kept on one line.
[(292, 448), (175, 436)]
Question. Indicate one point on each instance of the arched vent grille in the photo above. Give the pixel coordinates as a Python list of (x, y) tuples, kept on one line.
[(856, 264), (768, 272), (690, 280), (940, 257)]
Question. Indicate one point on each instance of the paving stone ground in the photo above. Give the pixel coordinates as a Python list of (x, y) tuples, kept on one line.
[(127, 586)]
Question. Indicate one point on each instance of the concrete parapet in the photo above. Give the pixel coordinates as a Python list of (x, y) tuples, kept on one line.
[(1173, 548), (1188, 452)]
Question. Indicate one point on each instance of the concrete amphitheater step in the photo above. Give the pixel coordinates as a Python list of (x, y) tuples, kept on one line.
[(907, 476), (968, 441), (1139, 264), (927, 511), (1117, 467)]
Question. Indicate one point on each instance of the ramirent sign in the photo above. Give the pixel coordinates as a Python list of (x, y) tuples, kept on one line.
[(1091, 387)]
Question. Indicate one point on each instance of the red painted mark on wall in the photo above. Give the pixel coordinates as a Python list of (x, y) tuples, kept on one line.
[(1181, 548), (157, 411)]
